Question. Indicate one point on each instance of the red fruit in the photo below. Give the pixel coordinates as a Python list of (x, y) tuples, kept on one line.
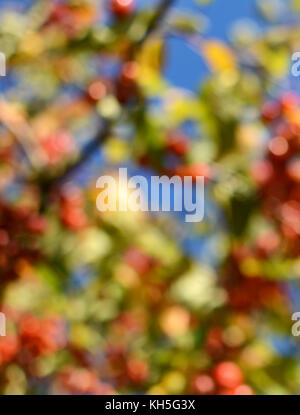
[(137, 371), (72, 18), (37, 224), (214, 344), (139, 261), (262, 172), (97, 90), (268, 243), (72, 196), (293, 170), (178, 144), (9, 347), (290, 213), (270, 111), (4, 238), (228, 375), (41, 337), (130, 72), (80, 381), (73, 218), (243, 390), (289, 101), (196, 170), (128, 322), (203, 384), (279, 147), (57, 146), (239, 390), (127, 87), (60, 13), (286, 130), (122, 8)]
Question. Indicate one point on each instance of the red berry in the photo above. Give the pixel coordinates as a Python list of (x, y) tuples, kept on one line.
[(293, 170), (9, 347), (122, 8), (37, 224), (214, 344), (4, 238), (270, 111), (137, 370), (228, 375), (239, 390), (203, 384), (97, 90), (289, 101), (268, 242), (196, 170), (72, 196), (73, 218), (139, 261), (41, 337), (178, 144), (80, 381), (130, 71), (279, 147), (243, 390), (58, 145), (127, 87), (262, 172)]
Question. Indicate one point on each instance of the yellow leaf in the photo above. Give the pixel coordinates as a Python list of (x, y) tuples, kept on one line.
[(151, 55), (150, 60), (218, 56)]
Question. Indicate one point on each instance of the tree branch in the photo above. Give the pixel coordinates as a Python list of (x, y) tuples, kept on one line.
[(158, 17), (105, 129), (23, 134)]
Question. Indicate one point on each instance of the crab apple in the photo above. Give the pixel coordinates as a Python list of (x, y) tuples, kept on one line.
[(270, 111), (36, 224), (72, 17), (178, 143), (289, 101), (71, 196), (214, 344), (139, 261), (293, 170), (59, 13), (130, 72), (82, 381), (268, 243), (243, 390), (9, 347), (137, 371), (196, 170), (262, 172), (73, 218), (203, 384), (57, 146), (98, 89), (4, 238), (41, 337), (127, 87), (122, 8), (279, 148), (228, 375)]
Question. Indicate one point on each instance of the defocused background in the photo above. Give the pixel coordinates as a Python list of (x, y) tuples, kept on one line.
[(138, 303)]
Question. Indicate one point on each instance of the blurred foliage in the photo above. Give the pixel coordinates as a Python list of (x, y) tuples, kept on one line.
[(104, 303)]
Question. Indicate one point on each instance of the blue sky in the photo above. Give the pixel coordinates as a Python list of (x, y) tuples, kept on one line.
[(220, 13), (220, 20), (186, 69)]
